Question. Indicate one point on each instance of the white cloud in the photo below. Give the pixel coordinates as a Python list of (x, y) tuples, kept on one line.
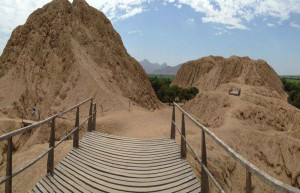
[(235, 13), (295, 25), (178, 6), (219, 33), (119, 9), (271, 25), (138, 32), (191, 20)]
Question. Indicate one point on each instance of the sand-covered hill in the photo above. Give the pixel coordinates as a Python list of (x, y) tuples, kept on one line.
[(64, 53), (259, 124)]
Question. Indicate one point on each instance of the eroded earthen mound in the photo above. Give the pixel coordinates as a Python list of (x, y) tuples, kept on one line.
[(67, 52), (259, 124)]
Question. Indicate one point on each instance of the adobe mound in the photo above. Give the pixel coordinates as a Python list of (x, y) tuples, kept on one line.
[(67, 52), (208, 73), (259, 124)]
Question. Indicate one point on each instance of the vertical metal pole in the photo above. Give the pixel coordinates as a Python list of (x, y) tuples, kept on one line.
[(76, 133), (172, 124), (248, 182), (94, 117), (183, 143), (204, 177), (8, 183), (90, 123), (50, 165)]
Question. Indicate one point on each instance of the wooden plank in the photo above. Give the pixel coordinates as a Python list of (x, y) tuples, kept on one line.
[(132, 172), (127, 138), (124, 167), (153, 177), (123, 155), (35, 190), (65, 184), (116, 161), (46, 180), (196, 186), (103, 155), (56, 184), (46, 186), (87, 183), (198, 190), (133, 144), (137, 165), (73, 183), (111, 162), (63, 173), (119, 176), (109, 187), (140, 142), (123, 181), (41, 187), (130, 148), (129, 154)]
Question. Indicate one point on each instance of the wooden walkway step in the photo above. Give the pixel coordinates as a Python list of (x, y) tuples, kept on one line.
[(105, 163)]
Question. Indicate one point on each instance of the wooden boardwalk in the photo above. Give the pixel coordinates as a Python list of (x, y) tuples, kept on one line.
[(105, 163)]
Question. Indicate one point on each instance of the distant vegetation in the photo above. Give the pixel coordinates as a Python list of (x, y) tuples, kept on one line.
[(292, 79), (292, 87), (171, 77), (167, 94)]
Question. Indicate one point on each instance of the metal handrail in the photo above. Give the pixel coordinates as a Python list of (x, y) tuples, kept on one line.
[(267, 179), (52, 146)]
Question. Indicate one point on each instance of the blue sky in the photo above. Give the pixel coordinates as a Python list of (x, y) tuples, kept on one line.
[(176, 31)]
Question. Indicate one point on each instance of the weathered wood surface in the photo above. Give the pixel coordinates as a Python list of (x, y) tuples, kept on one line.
[(105, 163)]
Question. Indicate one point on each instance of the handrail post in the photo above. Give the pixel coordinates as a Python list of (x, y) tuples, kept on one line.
[(204, 177), (50, 165), (172, 124), (183, 142), (94, 117), (76, 133), (8, 183), (248, 182), (90, 123)]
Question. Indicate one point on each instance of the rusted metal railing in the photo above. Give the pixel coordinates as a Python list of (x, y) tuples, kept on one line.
[(50, 151), (205, 173)]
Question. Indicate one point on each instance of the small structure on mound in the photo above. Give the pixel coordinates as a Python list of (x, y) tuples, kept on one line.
[(234, 92)]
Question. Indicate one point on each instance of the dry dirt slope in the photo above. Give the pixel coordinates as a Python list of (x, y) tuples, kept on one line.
[(64, 53), (259, 124)]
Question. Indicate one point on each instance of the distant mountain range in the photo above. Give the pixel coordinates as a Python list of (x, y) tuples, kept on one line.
[(155, 68)]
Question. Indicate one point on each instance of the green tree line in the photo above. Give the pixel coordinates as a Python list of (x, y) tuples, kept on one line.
[(293, 90), (167, 94)]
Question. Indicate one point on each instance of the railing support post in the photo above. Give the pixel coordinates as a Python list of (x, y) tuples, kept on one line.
[(90, 123), (76, 133), (172, 124), (248, 182), (94, 117), (50, 165), (204, 177), (183, 143), (8, 183)]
